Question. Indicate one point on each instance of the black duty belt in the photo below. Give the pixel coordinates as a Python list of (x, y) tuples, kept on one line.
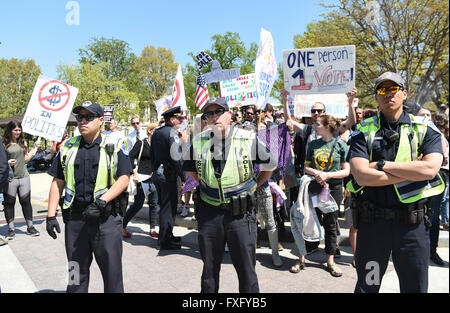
[(411, 214)]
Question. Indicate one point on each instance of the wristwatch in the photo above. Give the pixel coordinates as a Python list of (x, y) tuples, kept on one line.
[(101, 204), (380, 164)]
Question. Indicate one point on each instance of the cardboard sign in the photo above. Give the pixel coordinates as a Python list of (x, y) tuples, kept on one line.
[(240, 91), (335, 104), (49, 109), (325, 70), (108, 113), (217, 74)]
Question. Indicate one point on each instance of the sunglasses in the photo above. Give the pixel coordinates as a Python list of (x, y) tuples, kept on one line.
[(313, 111), (392, 89), (135, 123), (249, 113), (87, 117), (217, 112)]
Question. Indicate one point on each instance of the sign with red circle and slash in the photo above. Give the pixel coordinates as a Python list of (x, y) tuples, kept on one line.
[(54, 95)]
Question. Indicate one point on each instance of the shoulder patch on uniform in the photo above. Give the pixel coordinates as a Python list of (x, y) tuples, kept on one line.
[(355, 133)]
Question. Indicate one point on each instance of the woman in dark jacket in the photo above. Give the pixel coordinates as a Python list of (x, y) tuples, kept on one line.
[(142, 171)]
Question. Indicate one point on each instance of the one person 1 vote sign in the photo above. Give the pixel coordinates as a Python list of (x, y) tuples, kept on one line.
[(49, 109), (326, 70)]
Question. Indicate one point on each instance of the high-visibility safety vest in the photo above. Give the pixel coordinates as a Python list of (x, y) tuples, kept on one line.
[(411, 137), (68, 154), (238, 175)]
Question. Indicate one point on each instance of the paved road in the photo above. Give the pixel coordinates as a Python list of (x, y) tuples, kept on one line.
[(38, 264)]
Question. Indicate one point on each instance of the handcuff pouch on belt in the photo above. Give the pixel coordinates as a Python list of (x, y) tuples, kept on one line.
[(242, 203)]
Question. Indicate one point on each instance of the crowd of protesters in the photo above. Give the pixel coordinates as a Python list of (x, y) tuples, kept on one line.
[(318, 147)]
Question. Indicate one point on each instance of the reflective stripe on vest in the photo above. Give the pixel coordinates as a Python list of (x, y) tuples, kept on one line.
[(68, 155), (237, 176), (411, 137)]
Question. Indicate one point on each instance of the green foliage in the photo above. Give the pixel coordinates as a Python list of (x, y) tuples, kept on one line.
[(230, 51), (17, 80), (114, 52), (94, 86), (410, 37), (152, 76)]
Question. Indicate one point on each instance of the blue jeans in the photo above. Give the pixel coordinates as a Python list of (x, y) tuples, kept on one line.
[(144, 189)]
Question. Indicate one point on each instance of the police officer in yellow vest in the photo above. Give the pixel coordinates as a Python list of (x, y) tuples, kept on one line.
[(395, 159), (222, 159), (93, 173)]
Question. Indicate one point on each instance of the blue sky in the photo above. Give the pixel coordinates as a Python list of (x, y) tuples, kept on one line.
[(38, 29)]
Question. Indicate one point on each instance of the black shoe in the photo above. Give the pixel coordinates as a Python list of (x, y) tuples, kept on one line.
[(11, 234), (170, 246), (33, 231), (175, 239), (436, 259)]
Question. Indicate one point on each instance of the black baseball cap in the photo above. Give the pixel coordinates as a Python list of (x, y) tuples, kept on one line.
[(216, 100), (92, 107), (394, 77)]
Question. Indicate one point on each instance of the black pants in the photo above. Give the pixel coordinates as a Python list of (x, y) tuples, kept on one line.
[(168, 201), (410, 248), (103, 239), (329, 221), (217, 227)]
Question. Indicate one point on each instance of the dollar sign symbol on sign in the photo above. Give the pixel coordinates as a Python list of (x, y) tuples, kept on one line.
[(373, 17), (54, 91)]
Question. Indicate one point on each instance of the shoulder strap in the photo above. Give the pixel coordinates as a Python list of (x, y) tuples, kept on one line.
[(331, 153), (140, 153)]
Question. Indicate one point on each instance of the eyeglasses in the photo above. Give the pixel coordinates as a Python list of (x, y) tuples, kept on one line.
[(392, 89), (217, 112), (87, 117), (135, 123), (249, 113), (313, 111)]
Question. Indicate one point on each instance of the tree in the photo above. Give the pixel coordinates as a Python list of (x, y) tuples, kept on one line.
[(94, 86), (409, 37), (152, 76), (230, 51), (114, 52), (17, 81)]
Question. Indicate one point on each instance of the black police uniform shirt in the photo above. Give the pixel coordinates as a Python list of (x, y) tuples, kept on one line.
[(385, 196), (164, 140), (260, 154), (86, 168)]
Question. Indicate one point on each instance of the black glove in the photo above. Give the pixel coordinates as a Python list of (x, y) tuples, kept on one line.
[(52, 223), (94, 210)]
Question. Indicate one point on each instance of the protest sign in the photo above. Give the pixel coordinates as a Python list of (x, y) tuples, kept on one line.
[(336, 104), (217, 74), (240, 91), (265, 69), (326, 70), (203, 59), (162, 105), (49, 109), (108, 113)]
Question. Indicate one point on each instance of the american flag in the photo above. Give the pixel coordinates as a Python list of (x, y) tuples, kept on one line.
[(201, 93)]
